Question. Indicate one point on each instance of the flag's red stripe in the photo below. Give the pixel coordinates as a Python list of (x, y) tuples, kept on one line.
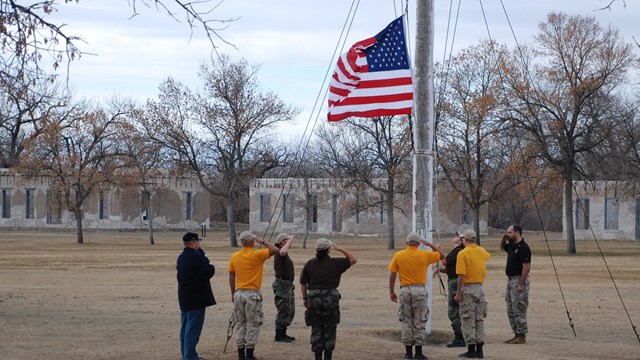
[(369, 113), (377, 100), (370, 84)]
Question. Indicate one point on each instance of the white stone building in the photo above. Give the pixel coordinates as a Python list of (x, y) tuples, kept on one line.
[(606, 210), (177, 203), (283, 205)]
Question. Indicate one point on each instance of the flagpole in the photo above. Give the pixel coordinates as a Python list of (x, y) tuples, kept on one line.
[(423, 158)]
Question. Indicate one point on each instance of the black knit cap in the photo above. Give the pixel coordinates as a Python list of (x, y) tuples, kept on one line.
[(190, 237)]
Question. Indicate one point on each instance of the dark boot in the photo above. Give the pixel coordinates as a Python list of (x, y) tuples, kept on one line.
[(408, 352), (471, 352), (318, 355), (458, 340), (281, 336), (241, 354), (479, 353), (291, 338), (328, 355), (418, 354), (250, 355)]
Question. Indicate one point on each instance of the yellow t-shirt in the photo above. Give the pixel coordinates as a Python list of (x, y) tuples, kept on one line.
[(471, 263), (412, 264), (247, 264)]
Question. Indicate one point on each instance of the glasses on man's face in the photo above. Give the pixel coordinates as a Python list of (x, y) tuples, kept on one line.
[(462, 238)]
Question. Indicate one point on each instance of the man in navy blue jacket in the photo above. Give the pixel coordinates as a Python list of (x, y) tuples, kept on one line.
[(194, 293)]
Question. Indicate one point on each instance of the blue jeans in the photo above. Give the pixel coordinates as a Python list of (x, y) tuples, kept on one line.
[(191, 323)]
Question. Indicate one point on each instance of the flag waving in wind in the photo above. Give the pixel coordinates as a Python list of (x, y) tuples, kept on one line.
[(373, 78)]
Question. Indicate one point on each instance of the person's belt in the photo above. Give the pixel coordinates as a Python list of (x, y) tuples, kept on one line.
[(514, 277), (286, 279), (412, 285)]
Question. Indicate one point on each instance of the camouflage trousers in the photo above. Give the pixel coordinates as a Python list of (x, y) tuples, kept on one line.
[(323, 315), (248, 314), (517, 304), (284, 299), (413, 314), (453, 309), (473, 310)]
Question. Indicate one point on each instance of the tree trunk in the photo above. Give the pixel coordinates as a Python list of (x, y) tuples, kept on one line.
[(308, 225), (476, 223), (231, 223), (150, 218), (390, 212), (568, 214), (78, 214)]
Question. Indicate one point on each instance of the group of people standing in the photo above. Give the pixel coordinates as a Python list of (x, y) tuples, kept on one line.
[(466, 271), (319, 281)]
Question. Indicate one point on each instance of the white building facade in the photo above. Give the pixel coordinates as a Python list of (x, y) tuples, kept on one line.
[(332, 206), (606, 210)]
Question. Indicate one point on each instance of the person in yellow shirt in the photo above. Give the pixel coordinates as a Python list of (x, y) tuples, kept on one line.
[(245, 280), (471, 269), (412, 264)]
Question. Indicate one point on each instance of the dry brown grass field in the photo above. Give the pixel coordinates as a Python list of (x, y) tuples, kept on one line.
[(114, 297)]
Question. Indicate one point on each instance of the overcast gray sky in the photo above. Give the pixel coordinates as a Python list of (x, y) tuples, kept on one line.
[(293, 40)]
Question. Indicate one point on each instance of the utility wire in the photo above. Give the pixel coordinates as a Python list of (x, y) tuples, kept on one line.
[(528, 174), (305, 139), (606, 265), (633, 326)]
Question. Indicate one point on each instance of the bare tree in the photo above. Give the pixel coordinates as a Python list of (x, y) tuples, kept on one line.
[(559, 91), (224, 135), (25, 100), (27, 33), (364, 150), (78, 154), (475, 153), (142, 161)]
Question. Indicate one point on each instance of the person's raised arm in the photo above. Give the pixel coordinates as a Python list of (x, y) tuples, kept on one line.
[(272, 248), (346, 253), (503, 241), (284, 250), (435, 247)]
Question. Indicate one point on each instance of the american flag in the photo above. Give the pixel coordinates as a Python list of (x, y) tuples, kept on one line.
[(373, 78)]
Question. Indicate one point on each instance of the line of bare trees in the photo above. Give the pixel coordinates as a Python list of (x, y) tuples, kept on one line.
[(514, 128)]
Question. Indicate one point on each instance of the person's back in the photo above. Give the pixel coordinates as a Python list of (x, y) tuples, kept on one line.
[(472, 262), (245, 279), (319, 280), (472, 270), (248, 266)]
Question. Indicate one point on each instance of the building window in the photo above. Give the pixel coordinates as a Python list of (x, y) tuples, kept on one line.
[(265, 206), (312, 203), (103, 206), (6, 203), (335, 215), (611, 214), (287, 209), (29, 203), (188, 206), (382, 203), (582, 213)]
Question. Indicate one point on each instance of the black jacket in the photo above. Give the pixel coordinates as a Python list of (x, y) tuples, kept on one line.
[(194, 272)]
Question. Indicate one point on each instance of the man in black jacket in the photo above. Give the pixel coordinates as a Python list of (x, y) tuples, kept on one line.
[(194, 293)]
